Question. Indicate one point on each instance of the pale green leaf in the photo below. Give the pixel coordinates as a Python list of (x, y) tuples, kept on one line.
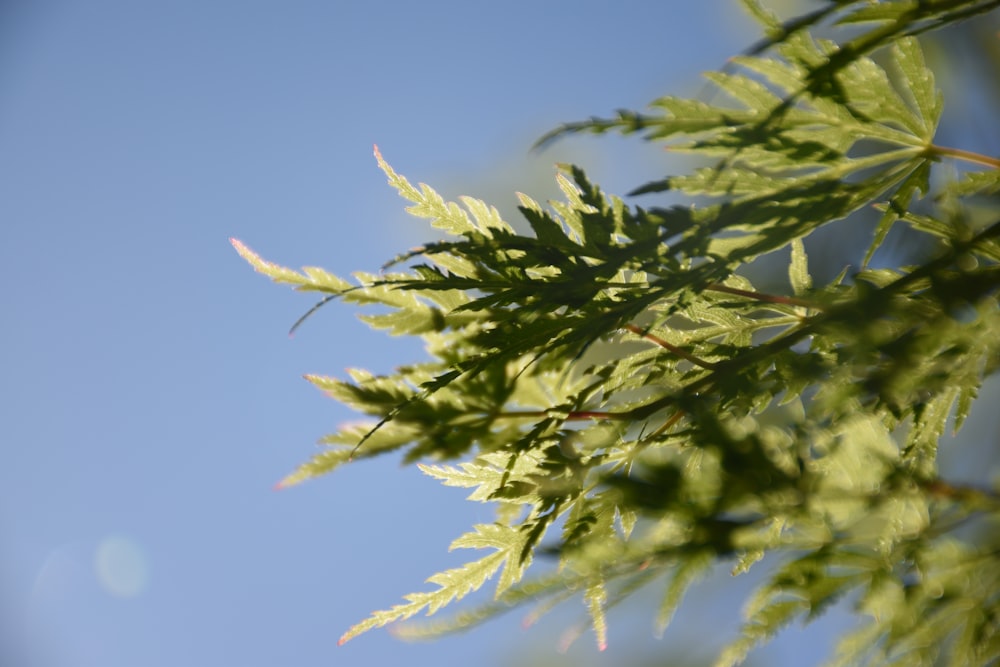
[(878, 12), (507, 540), (977, 183), (683, 576), (313, 278), (763, 622), (447, 216), (452, 585), (596, 596), (763, 15), (798, 269), (754, 96), (486, 475)]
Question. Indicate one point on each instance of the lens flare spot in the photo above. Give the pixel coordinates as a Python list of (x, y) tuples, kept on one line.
[(121, 567)]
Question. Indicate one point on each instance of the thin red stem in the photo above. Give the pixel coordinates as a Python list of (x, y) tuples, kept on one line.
[(968, 156), (767, 298), (674, 418), (959, 492), (671, 347)]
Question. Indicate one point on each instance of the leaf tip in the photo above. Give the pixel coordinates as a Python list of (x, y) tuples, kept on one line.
[(566, 641), (291, 480), (240, 247)]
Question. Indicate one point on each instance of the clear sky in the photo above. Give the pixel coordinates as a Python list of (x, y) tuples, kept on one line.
[(150, 396)]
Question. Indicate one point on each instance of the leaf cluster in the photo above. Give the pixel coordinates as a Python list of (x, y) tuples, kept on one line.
[(637, 412)]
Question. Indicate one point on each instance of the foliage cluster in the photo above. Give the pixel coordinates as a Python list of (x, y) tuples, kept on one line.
[(636, 410)]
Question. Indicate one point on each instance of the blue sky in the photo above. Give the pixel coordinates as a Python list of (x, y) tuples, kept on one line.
[(150, 395)]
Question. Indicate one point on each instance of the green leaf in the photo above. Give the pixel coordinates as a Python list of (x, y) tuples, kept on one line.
[(595, 597), (686, 573), (447, 216), (977, 183), (764, 16), (489, 476), (456, 583), (452, 585), (918, 84), (506, 540), (798, 270), (917, 180), (632, 406), (312, 278), (765, 620)]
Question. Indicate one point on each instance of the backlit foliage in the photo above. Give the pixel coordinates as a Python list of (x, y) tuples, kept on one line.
[(636, 410)]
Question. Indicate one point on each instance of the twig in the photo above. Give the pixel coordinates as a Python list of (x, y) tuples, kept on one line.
[(959, 154), (767, 298), (639, 331)]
